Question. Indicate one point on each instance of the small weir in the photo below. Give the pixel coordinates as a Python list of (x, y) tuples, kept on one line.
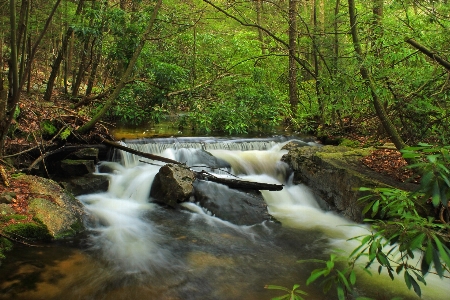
[(137, 249)]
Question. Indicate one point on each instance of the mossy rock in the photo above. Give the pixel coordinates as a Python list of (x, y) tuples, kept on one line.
[(29, 231), (54, 207), (335, 174)]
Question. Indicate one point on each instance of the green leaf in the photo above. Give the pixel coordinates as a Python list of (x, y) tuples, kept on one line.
[(352, 277), (417, 241), (436, 198), (340, 292), (390, 273), (416, 287), (382, 259), (314, 275), (437, 263), (330, 264), (442, 252), (407, 279), (375, 208), (343, 279), (277, 287)]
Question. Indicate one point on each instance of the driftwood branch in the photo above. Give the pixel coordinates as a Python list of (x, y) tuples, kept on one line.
[(429, 53), (239, 184), (203, 175)]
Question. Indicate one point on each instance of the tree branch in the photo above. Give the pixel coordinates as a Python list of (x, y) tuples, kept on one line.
[(429, 53)]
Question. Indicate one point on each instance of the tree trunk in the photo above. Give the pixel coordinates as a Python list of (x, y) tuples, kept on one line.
[(109, 102), (13, 95), (81, 69), (36, 45), (258, 22), (60, 56), (381, 112), (293, 91)]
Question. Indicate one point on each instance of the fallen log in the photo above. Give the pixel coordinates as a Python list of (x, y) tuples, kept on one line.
[(203, 175), (239, 184), (139, 153)]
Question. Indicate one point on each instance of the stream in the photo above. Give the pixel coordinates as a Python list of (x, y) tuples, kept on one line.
[(137, 249)]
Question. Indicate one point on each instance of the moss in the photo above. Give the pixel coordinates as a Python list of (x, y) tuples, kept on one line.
[(12, 217), (31, 230), (5, 245), (343, 154), (349, 143), (74, 229)]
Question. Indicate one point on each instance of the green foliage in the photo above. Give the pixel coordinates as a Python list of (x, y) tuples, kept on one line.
[(403, 238), (5, 245), (293, 294), (433, 163), (246, 109), (48, 129), (342, 279), (65, 134)]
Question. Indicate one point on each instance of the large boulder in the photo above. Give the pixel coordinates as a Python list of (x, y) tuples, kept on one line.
[(334, 174), (42, 210), (236, 206), (173, 184)]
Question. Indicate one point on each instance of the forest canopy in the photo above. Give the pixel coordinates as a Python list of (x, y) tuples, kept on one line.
[(376, 68)]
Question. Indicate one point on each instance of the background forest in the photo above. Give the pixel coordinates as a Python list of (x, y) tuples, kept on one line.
[(318, 67)]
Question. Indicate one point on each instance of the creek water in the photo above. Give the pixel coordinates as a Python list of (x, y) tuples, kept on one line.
[(136, 249)]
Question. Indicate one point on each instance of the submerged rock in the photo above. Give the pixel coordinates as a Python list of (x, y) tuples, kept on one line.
[(173, 184), (235, 206)]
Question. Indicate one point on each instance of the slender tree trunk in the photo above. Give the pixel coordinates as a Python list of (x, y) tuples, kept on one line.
[(381, 112), (258, 22), (13, 96), (110, 101), (62, 53), (315, 57), (293, 90), (36, 44), (81, 69), (24, 32), (93, 72)]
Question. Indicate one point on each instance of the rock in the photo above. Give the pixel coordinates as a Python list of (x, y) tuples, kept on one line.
[(173, 184), (88, 184), (85, 154), (53, 207), (77, 167), (235, 206), (7, 197), (199, 157), (6, 209), (334, 174)]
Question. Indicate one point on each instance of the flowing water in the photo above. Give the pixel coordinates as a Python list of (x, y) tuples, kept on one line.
[(136, 249)]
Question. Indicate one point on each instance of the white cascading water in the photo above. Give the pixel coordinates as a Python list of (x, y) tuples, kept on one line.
[(134, 244)]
